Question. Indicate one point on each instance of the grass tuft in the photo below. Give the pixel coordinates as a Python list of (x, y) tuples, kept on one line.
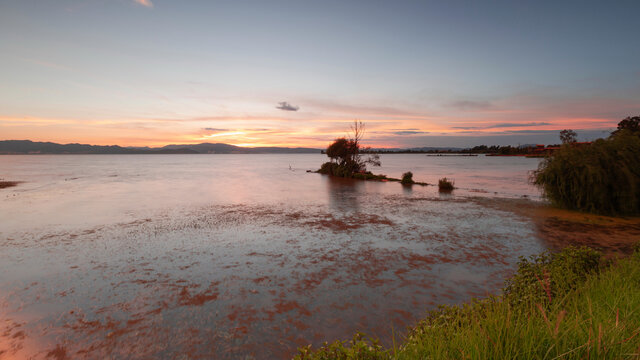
[(445, 185)]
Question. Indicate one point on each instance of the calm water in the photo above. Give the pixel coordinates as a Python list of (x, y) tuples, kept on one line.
[(242, 255)]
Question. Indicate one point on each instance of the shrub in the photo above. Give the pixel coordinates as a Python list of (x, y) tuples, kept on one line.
[(445, 185), (328, 168), (547, 276), (603, 177), (407, 178), (358, 348), (368, 175)]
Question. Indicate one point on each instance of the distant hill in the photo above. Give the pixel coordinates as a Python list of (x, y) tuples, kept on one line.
[(32, 147)]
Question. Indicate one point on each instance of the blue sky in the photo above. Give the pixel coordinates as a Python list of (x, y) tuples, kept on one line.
[(423, 73)]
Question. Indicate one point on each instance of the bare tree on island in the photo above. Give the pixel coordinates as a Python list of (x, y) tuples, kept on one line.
[(347, 156)]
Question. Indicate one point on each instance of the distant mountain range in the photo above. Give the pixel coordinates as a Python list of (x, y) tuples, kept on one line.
[(32, 147), (8, 147)]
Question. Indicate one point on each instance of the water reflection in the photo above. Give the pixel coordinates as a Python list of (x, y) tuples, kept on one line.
[(407, 189), (344, 193), (445, 195)]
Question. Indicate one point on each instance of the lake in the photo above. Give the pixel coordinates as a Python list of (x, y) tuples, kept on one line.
[(250, 256)]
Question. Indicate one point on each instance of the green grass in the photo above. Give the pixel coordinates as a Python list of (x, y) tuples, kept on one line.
[(577, 311)]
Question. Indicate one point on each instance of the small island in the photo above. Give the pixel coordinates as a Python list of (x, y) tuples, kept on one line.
[(348, 159)]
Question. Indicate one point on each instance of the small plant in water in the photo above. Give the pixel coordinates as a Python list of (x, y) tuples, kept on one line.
[(407, 178), (445, 185)]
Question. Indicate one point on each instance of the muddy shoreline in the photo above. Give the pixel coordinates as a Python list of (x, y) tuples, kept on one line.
[(558, 228)]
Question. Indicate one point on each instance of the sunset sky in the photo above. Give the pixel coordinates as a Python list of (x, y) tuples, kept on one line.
[(418, 73)]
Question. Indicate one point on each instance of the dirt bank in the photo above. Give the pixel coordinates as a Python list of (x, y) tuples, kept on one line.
[(558, 228)]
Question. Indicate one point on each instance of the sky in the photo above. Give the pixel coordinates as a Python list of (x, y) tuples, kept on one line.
[(417, 73)]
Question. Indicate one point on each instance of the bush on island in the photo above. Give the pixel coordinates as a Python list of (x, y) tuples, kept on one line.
[(445, 185), (407, 178)]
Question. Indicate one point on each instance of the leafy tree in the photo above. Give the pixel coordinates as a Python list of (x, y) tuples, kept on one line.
[(568, 136), (339, 150), (630, 124), (347, 157)]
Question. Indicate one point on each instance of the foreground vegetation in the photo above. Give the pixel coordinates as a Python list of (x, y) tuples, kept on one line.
[(603, 177), (569, 305)]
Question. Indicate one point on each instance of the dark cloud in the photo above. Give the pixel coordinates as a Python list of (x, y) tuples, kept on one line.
[(287, 107), (216, 129), (471, 105)]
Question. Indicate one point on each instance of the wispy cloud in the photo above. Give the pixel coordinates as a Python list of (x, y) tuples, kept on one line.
[(146, 3), (509, 125), (471, 105), (409, 132), (502, 125), (47, 64)]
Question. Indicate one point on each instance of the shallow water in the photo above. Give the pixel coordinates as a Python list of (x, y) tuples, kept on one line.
[(242, 255)]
